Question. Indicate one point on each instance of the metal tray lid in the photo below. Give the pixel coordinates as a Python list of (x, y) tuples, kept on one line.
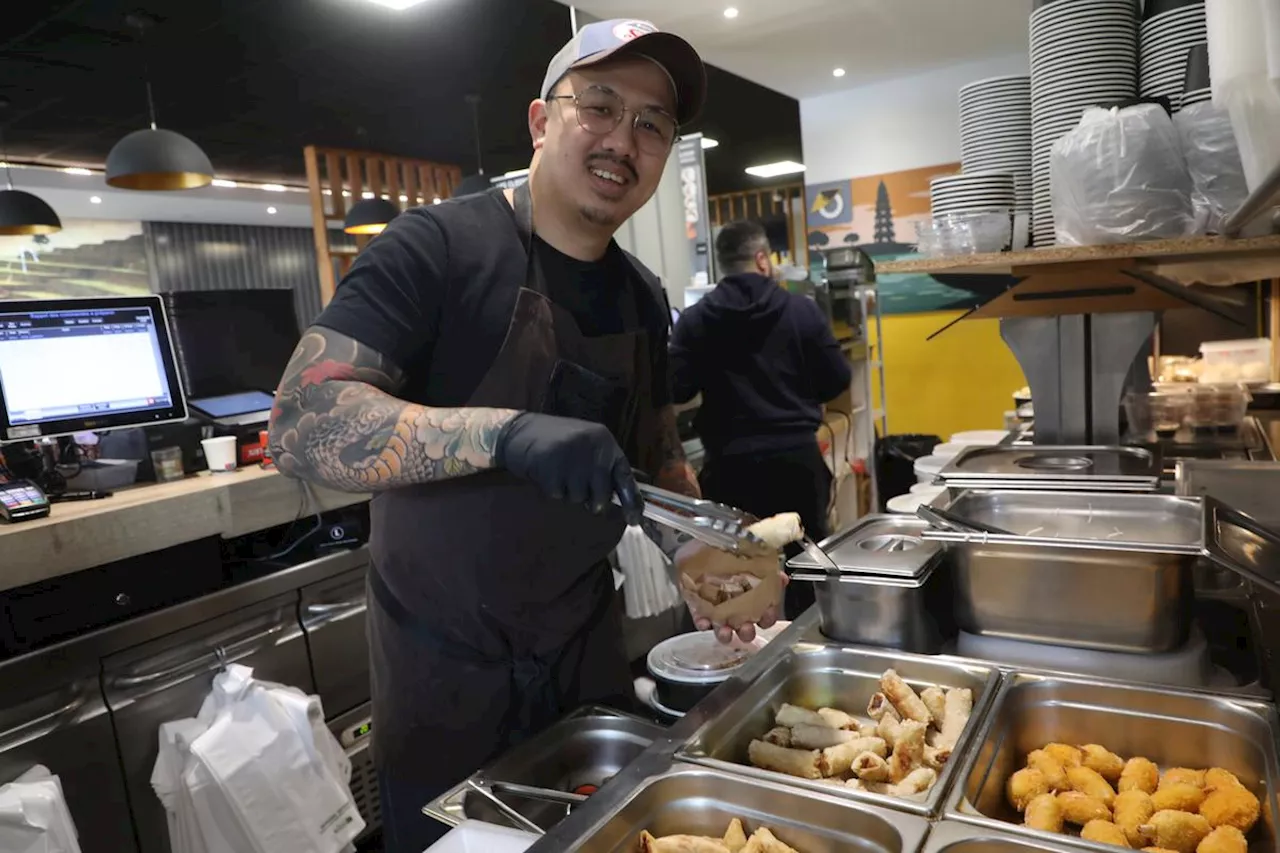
[(1065, 463), (888, 545), (1240, 543)]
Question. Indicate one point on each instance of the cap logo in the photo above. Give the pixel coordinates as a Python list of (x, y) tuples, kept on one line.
[(628, 30)]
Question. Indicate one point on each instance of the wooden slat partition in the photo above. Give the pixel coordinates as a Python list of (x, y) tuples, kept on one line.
[(338, 178), (756, 204)]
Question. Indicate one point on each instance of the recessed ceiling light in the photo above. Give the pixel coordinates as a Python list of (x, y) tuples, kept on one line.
[(271, 210), (76, 170), (774, 170), (274, 188), (708, 142), (731, 13), (230, 185), (837, 72), (367, 195), (95, 199), (404, 198), (398, 5), (435, 200)]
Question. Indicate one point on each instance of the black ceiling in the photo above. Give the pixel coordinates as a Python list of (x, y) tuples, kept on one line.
[(253, 81)]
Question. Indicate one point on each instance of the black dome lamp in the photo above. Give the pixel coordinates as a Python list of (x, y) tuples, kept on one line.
[(369, 216), (152, 158), (22, 213)]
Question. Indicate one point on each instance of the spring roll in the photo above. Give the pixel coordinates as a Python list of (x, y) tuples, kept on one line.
[(792, 716), (778, 531), (794, 762), (935, 757), (837, 760), (935, 699), (763, 841), (778, 736), (734, 837), (838, 719), (917, 782), (908, 750), (681, 844), (903, 698), (887, 728), (879, 706), (868, 729), (870, 767), (959, 706), (819, 737)]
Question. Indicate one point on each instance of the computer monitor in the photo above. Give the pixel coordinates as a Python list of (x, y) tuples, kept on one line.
[(74, 365)]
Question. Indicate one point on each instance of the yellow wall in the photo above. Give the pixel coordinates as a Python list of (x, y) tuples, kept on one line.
[(962, 379)]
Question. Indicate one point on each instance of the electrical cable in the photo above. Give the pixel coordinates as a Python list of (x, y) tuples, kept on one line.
[(307, 495)]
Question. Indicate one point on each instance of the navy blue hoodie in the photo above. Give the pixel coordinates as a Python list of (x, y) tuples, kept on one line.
[(765, 361)]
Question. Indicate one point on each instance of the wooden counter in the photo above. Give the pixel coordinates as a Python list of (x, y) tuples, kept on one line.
[(140, 519)]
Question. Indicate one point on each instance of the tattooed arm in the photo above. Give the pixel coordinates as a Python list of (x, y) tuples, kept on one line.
[(336, 422), (676, 474)]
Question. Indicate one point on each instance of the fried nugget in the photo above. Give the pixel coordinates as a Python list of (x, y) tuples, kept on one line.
[(1224, 839), (1104, 832), (1179, 797), (1178, 831), (1024, 786), (1044, 813), (1079, 808), (1182, 776), (1103, 761), (1070, 756), (1157, 850), (1133, 809), (1216, 777), (1052, 769), (1231, 805), (1090, 782), (1139, 774)]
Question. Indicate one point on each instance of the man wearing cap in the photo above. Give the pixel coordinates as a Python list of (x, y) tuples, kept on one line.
[(491, 369)]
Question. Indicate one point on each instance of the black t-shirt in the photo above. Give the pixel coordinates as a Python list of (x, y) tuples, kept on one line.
[(435, 291)]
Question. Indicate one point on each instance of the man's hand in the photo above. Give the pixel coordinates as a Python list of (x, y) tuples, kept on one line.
[(678, 477), (691, 553), (569, 459)]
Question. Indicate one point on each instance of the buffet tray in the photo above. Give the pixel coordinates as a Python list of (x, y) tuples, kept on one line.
[(954, 837), (700, 801), (1172, 728), (1098, 468), (837, 677)]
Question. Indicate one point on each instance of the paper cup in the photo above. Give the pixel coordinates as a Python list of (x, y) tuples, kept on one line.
[(220, 453)]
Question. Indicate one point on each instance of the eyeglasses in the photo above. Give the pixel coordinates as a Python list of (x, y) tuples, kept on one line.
[(600, 112)]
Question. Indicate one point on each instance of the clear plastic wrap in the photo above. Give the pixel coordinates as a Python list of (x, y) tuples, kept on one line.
[(1213, 160), (1120, 177)]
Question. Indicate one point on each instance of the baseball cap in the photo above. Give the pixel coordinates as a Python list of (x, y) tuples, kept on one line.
[(626, 37)]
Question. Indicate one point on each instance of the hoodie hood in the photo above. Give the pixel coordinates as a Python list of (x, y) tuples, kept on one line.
[(747, 299)]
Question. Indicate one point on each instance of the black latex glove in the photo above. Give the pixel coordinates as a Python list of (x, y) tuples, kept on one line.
[(568, 459)]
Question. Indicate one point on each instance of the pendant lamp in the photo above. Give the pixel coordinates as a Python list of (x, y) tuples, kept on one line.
[(155, 159), (369, 216), (478, 182), (21, 212)]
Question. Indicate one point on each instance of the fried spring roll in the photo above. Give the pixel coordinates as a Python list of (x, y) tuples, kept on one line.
[(879, 706), (792, 716), (916, 782), (794, 762), (888, 727), (935, 699), (837, 760), (870, 767), (734, 837), (904, 700), (935, 757), (681, 844), (819, 737), (838, 719), (959, 707), (908, 750), (868, 729), (764, 841), (778, 736)]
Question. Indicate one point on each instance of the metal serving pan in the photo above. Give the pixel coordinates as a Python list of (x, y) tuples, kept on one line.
[(699, 801), (1067, 466), (1171, 728), (953, 837), (1252, 487), (837, 677)]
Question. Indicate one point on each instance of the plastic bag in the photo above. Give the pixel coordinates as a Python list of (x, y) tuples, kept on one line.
[(648, 589), (1213, 160), (1120, 177), (34, 817)]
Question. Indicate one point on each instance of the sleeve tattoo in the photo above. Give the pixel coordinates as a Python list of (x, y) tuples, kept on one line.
[(336, 422), (675, 473)]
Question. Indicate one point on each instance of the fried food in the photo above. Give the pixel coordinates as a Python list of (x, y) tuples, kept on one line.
[(1104, 832), (1216, 777), (904, 700), (838, 760), (1140, 774), (1070, 756), (838, 719), (793, 715), (794, 762), (778, 531), (1231, 805), (1182, 776), (889, 727), (1044, 813), (879, 706), (735, 838), (778, 736), (1080, 808), (1224, 839), (1132, 809), (763, 841), (870, 767), (959, 707), (916, 782), (908, 750), (819, 737), (935, 699), (1024, 786), (1156, 850), (1179, 797), (935, 757), (1090, 782), (1174, 830), (681, 844), (1103, 761), (1052, 768)]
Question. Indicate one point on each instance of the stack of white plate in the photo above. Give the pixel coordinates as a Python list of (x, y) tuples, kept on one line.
[(972, 192), (995, 130), (1083, 53), (1168, 32)]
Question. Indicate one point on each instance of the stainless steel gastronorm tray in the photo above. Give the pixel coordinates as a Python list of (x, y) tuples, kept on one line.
[(837, 677), (1110, 468), (1171, 728), (700, 801), (954, 837)]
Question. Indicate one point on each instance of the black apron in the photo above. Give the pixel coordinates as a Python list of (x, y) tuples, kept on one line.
[(492, 609)]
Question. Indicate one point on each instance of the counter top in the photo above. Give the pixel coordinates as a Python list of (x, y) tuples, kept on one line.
[(82, 534)]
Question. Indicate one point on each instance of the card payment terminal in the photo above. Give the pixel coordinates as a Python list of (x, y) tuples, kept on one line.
[(22, 500)]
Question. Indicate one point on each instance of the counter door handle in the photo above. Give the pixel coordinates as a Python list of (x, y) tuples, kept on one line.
[(38, 727), (229, 653), (336, 607)]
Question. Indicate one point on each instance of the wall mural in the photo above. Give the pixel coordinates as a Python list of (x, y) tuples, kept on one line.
[(88, 257), (878, 215)]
